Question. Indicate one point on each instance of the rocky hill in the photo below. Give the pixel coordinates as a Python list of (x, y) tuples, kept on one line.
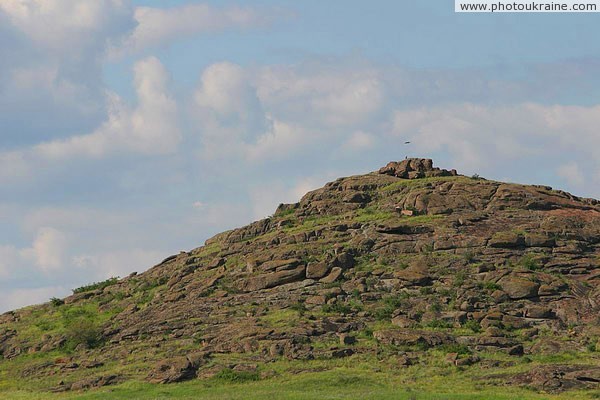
[(411, 265)]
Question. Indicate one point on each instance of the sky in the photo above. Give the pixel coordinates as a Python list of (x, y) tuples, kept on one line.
[(132, 130)]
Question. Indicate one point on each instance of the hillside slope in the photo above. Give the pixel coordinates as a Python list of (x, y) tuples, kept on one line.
[(407, 269)]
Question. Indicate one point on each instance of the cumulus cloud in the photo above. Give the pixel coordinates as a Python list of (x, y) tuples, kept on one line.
[(46, 253), (332, 95), (49, 249), (227, 102), (117, 263), (158, 26), (51, 70), (279, 141), (477, 135), (272, 113), (151, 128), (266, 198), (264, 113), (359, 141), (64, 26)]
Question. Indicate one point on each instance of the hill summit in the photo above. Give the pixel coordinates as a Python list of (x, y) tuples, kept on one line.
[(408, 269)]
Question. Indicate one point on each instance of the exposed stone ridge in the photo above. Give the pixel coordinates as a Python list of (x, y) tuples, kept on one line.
[(381, 266), (415, 168)]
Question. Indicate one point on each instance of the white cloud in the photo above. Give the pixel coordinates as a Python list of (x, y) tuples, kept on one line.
[(306, 185), (359, 141), (226, 90), (266, 198), (51, 72), (477, 135), (68, 26), (151, 128), (117, 263), (159, 26), (571, 173), (227, 104), (264, 113), (277, 143), (46, 254), (49, 248), (331, 95)]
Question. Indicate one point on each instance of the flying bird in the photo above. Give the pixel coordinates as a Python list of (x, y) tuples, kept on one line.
[(406, 142)]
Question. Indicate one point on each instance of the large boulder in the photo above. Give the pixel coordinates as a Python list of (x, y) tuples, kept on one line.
[(173, 370), (317, 270), (411, 337), (519, 288), (266, 281), (414, 168)]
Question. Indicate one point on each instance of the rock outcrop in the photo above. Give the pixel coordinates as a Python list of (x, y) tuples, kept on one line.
[(472, 269), (415, 168)]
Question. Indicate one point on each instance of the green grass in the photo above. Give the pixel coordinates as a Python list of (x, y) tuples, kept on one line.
[(372, 214), (340, 383), (281, 318)]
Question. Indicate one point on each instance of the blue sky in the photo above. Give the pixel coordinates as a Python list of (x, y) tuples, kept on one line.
[(131, 130)]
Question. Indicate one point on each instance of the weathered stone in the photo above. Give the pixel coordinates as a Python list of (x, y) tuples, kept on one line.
[(412, 338), (519, 288), (333, 276), (341, 353), (317, 270), (279, 265), (412, 277), (403, 322), (243, 295), (95, 382), (414, 168), (357, 198), (539, 312), (266, 281), (344, 261), (172, 370), (346, 339), (507, 240), (315, 300)]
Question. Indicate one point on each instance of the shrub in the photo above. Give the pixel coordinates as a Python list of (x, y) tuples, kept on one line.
[(437, 323), (472, 325), (529, 262), (83, 331), (435, 307), (459, 278), (298, 307), (489, 285), (390, 304), (469, 257), (337, 308), (455, 348), (56, 302), (96, 285)]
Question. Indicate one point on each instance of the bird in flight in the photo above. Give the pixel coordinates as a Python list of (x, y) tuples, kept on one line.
[(406, 142)]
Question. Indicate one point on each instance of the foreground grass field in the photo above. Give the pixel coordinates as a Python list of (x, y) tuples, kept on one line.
[(341, 383)]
